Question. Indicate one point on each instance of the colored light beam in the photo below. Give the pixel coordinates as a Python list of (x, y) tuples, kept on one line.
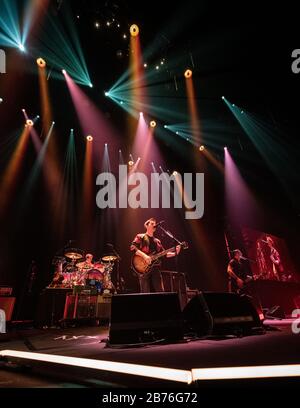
[(137, 76), (92, 121), (271, 147), (41, 152), (13, 170), (62, 48), (107, 221), (194, 116), (10, 31), (51, 172), (241, 205), (34, 14), (47, 116), (45, 100), (68, 191), (88, 201)]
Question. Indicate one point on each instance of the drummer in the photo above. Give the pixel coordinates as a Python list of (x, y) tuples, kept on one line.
[(88, 263)]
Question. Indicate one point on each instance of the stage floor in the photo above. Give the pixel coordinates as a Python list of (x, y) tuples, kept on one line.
[(279, 345)]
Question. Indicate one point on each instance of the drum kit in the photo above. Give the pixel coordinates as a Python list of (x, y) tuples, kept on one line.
[(73, 270)]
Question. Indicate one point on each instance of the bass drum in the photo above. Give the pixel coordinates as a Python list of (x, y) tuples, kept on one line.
[(94, 274), (100, 267)]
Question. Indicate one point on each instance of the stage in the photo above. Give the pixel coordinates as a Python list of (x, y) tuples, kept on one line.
[(278, 346)]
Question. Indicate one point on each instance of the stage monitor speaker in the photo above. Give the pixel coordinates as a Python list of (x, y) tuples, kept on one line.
[(145, 318), (7, 304), (213, 313)]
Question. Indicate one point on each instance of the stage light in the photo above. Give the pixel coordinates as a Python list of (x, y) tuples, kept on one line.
[(157, 67), (134, 30), (242, 111), (233, 105), (225, 147), (153, 123), (29, 122), (124, 36), (145, 65), (106, 93), (223, 97), (89, 138), (53, 123), (97, 25), (130, 163), (91, 85), (175, 173), (41, 62), (162, 373), (23, 110), (141, 114), (177, 133), (21, 47), (188, 73), (201, 148), (108, 23), (64, 71), (165, 126), (1, 100)]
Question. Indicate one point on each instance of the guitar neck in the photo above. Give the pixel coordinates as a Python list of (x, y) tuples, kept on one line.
[(163, 253)]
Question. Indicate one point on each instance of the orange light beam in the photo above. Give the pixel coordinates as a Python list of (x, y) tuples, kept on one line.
[(13, 170), (193, 110)]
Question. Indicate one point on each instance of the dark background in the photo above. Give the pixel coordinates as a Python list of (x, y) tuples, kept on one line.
[(240, 50)]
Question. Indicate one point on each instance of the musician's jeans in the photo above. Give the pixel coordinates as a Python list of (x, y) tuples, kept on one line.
[(152, 282)]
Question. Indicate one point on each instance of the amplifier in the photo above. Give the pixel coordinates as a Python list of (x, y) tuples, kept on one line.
[(104, 307), (7, 304), (5, 291), (80, 307)]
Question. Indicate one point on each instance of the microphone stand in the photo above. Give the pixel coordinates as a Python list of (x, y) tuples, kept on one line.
[(119, 285), (170, 235)]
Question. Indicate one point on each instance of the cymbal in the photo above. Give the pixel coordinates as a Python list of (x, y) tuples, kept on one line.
[(109, 258), (74, 253)]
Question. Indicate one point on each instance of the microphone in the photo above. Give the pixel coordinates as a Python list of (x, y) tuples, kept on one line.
[(159, 223)]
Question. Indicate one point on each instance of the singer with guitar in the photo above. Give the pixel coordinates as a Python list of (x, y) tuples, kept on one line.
[(147, 250), (236, 272)]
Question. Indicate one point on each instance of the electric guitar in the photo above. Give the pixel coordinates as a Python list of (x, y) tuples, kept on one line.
[(140, 266)]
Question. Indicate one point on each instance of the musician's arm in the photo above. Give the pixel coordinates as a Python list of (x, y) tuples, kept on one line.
[(172, 254), (233, 275), (135, 248)]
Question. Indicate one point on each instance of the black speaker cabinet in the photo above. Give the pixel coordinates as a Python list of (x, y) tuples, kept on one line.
[(213, 313), (51, 304), (145, 318)]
